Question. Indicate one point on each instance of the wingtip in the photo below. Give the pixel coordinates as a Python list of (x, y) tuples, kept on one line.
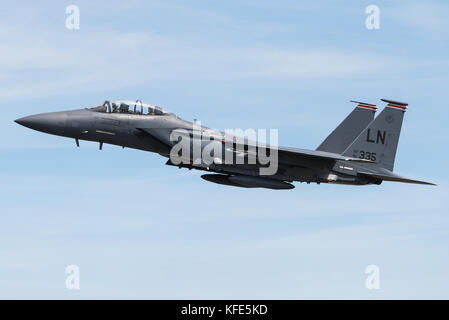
[(427, 183)]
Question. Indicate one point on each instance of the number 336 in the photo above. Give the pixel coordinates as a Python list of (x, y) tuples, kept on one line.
[(368, 155)]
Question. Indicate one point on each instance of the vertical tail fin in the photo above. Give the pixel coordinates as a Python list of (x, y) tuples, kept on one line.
[(349, 128), (379, 141)]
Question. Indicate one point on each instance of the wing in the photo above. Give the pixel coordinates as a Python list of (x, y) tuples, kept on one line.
[(299, 157), (289, 157)]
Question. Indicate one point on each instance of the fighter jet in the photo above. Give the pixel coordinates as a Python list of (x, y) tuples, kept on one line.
[(360, 151)]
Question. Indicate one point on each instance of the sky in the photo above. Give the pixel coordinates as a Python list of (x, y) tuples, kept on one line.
[(138, 229)]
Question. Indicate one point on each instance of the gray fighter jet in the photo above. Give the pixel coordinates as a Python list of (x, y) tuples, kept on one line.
[(360, 151)]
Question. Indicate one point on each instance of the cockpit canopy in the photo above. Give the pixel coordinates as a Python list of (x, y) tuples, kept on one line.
[(129, 107)]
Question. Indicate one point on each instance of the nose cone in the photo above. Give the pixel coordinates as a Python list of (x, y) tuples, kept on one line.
[(53, 122)]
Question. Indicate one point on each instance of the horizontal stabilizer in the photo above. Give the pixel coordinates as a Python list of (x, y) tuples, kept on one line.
[(394, 177)]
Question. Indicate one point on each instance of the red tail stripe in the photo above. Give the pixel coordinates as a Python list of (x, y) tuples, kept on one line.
[(396, 106), (366, 107)]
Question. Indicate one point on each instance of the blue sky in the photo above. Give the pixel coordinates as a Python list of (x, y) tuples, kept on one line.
[(139, 229)]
